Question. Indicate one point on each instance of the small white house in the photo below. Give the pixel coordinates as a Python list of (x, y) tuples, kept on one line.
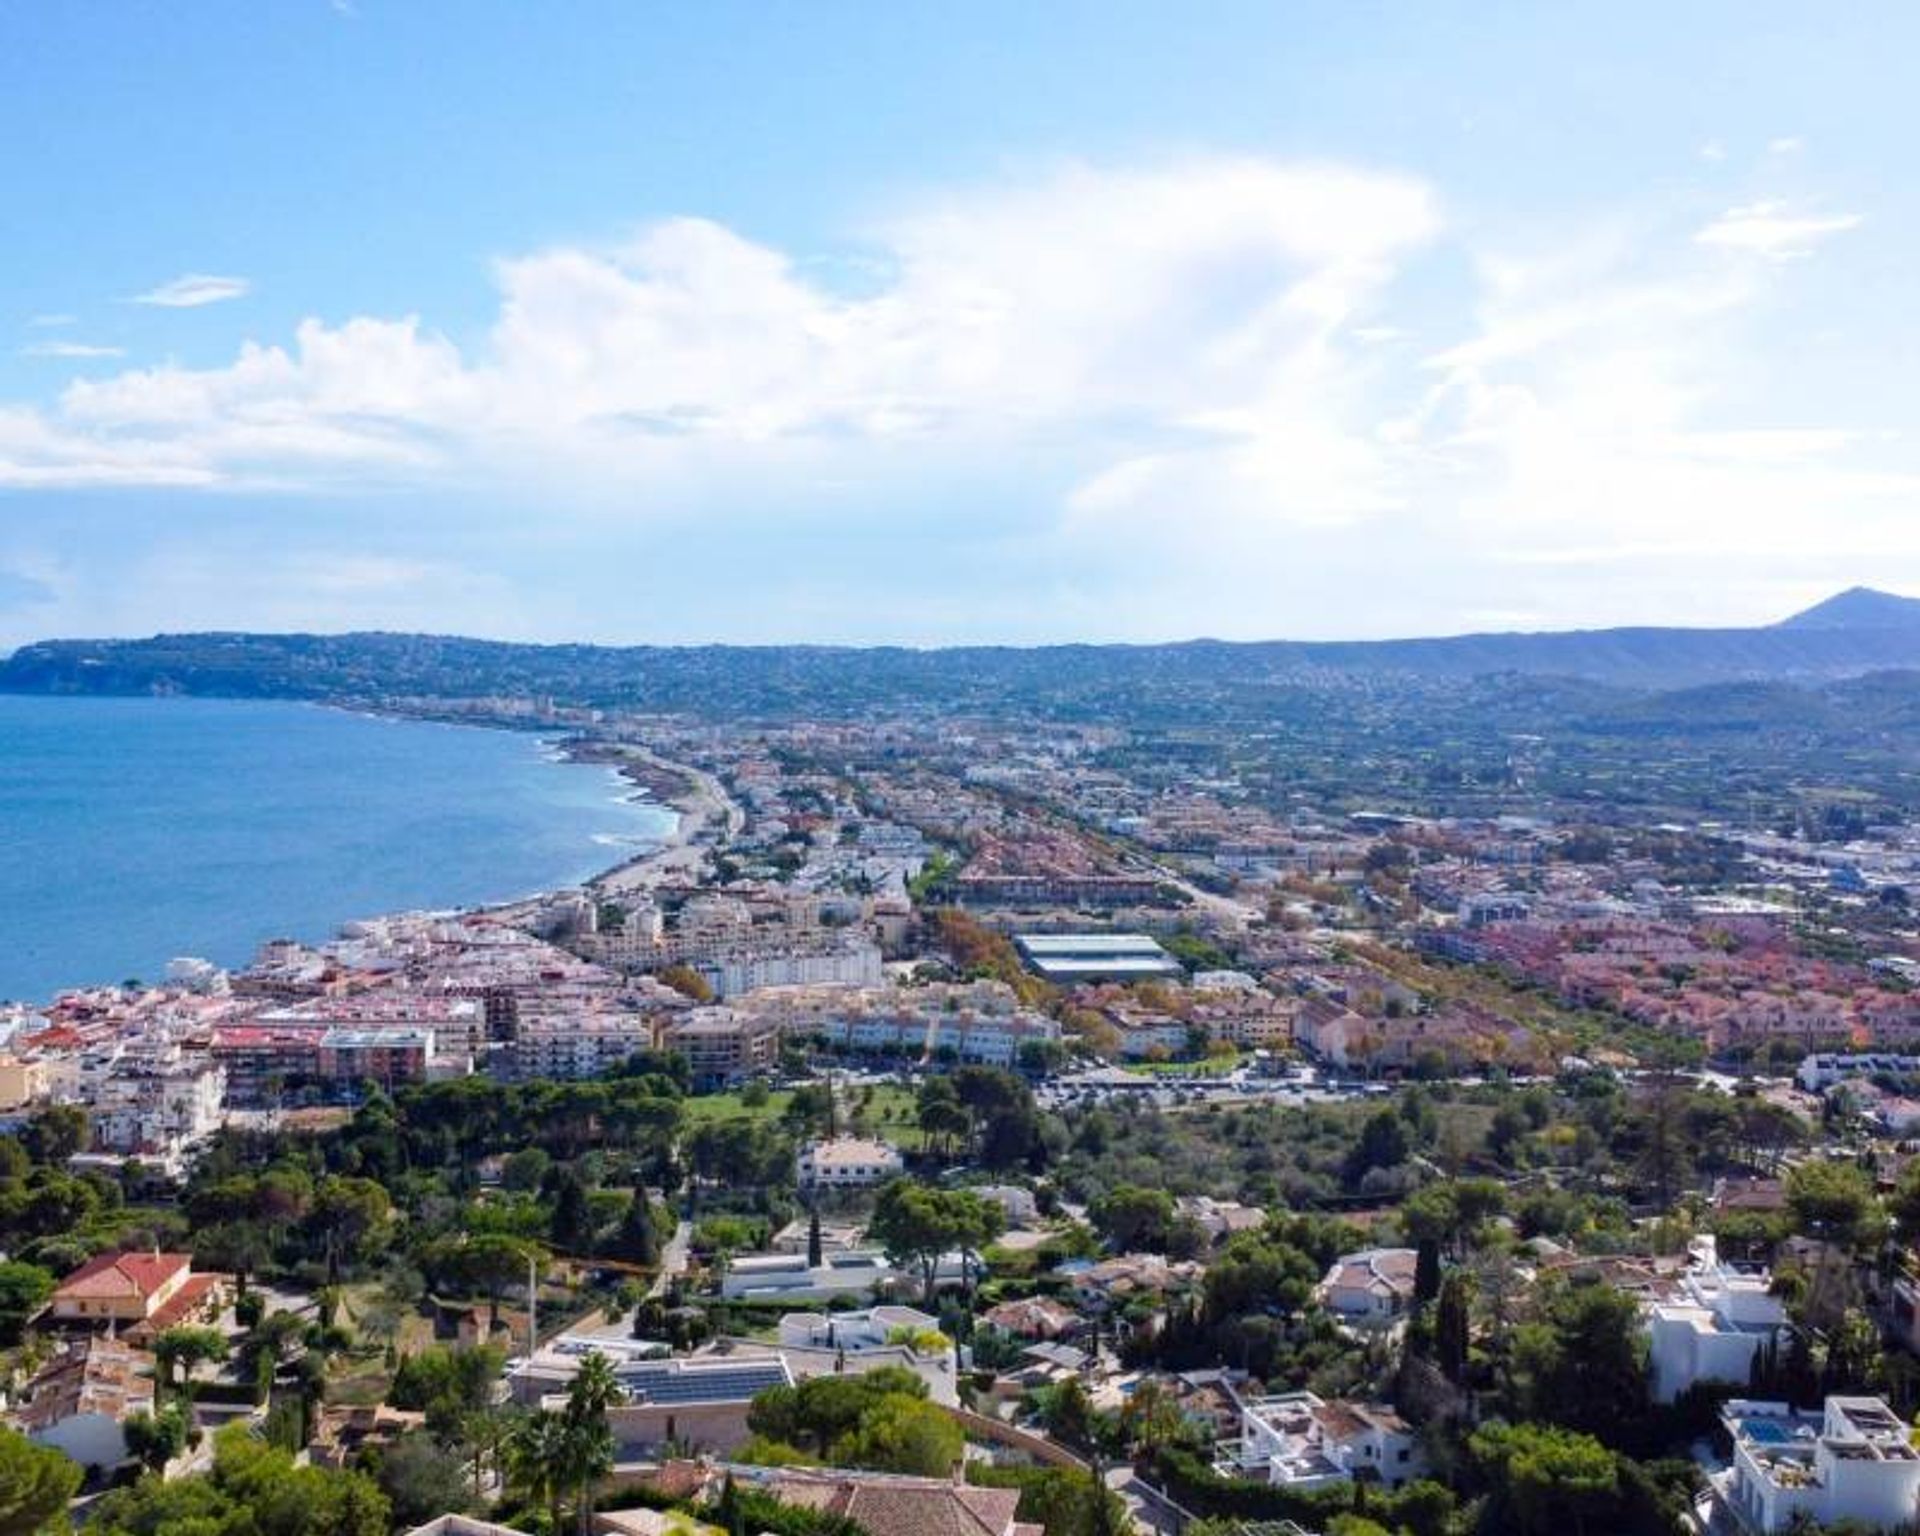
[(1296, 1440), (848, 1162), (1371, 1288)]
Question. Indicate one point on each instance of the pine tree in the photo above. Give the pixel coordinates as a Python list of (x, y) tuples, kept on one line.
[(640, 1234), (1452, 1327)]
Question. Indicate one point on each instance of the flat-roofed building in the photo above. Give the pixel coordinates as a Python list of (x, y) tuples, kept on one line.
[(576, 1045), (1066, 958), (1718, 1318), (262, 1061), (851, 1272), (1853, 1461), (1299, 1441), (723, 1045), (701, 1404), (388, 1057), (854, 1332), (24, 1080)]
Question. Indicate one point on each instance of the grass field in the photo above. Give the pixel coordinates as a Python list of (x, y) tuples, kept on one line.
[(884, 1109)]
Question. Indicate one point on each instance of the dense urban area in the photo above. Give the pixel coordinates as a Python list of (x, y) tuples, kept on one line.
[(1203, 1090)]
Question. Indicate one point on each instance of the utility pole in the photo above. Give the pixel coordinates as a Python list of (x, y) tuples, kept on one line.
[(533, 1302)]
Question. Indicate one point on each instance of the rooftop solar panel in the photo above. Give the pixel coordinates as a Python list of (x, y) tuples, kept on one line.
[(664, 1384)]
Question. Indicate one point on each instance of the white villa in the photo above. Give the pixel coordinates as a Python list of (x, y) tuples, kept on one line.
[(1713, 1325), (1299, 1441), (1855, 1461)]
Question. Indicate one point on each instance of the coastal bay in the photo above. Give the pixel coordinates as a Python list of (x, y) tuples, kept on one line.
[(135, 830)]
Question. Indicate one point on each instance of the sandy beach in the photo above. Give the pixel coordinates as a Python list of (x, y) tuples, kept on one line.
[(707, 814)]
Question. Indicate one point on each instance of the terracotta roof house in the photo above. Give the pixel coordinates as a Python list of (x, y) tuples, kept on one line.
[(81, 1398), (1034, 1317), (880, 1503), (141, 1293), (905, 1506), (1741, 1193)]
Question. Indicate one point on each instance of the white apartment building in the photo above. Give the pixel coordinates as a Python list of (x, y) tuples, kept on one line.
[(1711, 1328), (980, 1021), (1298, 1441), (572, 1046), (843, 960), (1160, 1039), (154, 1102), (990, 1039), (1854, 1461), (848, 1162)]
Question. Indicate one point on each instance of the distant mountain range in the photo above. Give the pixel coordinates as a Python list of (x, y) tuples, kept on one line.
[(1856, 632), (1858, 608)]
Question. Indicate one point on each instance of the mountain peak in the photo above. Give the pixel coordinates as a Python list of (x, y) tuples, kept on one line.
[(1858, 608)]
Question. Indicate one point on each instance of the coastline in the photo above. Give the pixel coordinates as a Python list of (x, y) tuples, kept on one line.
[(705, 815), (702, 813)]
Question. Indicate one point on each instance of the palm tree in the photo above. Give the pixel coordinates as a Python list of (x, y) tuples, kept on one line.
[(595, 1389), (584, 1456), (534, 1461), (586, 1450)]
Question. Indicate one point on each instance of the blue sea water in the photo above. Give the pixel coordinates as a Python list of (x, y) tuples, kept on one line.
[(135, 830)]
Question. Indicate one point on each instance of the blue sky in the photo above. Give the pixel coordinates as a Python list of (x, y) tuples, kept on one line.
[(930, 323)]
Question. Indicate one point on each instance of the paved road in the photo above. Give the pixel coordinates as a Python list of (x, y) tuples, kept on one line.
[(1235, 916), (673, 1259)]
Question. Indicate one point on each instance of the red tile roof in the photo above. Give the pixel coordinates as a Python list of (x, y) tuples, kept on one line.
[(122, 1274)]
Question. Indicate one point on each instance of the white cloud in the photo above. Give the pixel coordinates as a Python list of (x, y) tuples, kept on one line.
[(1773, 231), (194, 289), (71, 349), (1188, 359), (36, 453), (1786, 145), (1583, 425), (1198, 303), (52, 320)]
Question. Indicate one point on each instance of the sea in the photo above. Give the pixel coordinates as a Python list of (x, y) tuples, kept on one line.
[(133, 831)]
